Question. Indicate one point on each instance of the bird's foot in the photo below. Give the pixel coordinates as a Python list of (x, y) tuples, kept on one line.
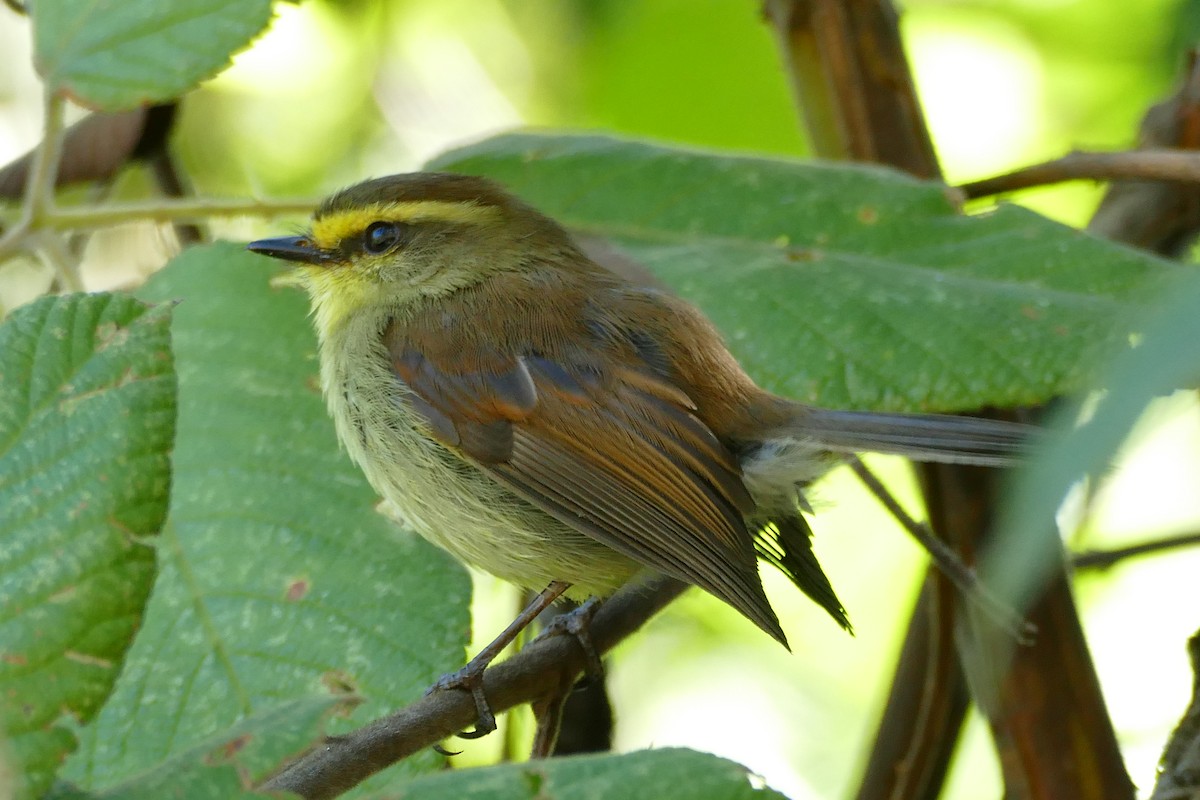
[(578, 624), (468, 679)]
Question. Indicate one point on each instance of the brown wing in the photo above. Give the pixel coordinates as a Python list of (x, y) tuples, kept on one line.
[(599, 439)]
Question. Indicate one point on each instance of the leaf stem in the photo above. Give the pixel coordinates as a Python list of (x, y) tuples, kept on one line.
[(54, 253), (38, 202), (39, 187), (190, 210), (40, 213)]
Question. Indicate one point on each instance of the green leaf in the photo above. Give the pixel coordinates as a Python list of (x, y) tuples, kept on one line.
[(119, 54), (1027, 548), (650, 774), (278, 577), (227, 766), (87, 420), (844, 286)]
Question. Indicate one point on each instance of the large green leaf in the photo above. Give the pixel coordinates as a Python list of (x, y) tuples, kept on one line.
[(87, 418), (845, 286), (226, 766), (118, 54), (278, 577), (650, 774)]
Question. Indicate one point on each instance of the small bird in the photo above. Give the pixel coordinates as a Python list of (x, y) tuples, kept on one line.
[(557, 425)]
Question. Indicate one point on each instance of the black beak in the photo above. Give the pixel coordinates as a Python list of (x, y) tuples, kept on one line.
[(291, 248)]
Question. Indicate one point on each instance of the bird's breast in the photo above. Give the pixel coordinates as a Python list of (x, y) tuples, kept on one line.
[(435, 491)]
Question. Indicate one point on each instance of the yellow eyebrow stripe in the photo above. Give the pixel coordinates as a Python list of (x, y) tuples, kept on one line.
[(330, 229)]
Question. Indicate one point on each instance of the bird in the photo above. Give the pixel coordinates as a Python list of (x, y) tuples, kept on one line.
[(558, 425)]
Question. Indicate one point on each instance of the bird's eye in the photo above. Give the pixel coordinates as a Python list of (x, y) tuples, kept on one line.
[(381, 237)]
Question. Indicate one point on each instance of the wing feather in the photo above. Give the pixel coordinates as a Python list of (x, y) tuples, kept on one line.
[(601, 504), (601, 441)]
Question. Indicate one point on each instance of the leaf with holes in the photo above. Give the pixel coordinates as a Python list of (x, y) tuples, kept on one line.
[(87, 421), (845, 286)]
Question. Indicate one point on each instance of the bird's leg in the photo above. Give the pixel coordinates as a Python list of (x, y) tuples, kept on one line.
[(578, 623), (548, 710), (548, 713), (470, 677)]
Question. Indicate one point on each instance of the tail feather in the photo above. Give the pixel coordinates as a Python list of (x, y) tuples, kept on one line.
[(923, 437), (777, 467), (786, 542)]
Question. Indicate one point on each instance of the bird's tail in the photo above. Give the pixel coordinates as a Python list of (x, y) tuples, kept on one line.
[(922, 437)]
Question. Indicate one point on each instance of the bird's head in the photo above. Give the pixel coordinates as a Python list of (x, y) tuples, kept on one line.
[(389, 242)]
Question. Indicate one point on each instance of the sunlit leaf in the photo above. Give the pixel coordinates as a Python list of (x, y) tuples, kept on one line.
[(117, 55)]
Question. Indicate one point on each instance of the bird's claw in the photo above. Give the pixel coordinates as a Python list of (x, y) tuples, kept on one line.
[(578, 624), (468, 679)]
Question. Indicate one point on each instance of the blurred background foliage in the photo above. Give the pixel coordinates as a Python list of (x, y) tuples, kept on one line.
[(338, 91)]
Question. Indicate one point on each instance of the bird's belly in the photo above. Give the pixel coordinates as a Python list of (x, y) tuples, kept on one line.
[(455, 505)]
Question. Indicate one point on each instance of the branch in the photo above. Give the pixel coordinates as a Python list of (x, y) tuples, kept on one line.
[(39, 188), (55, 253), (38, 201), (1103, 559), (851, 81), (39, 172), (341, 762), (962, 576), (1160, 216), (1161, 164), (191, 210)]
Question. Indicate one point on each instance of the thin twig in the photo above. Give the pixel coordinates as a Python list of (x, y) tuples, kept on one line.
[(191, 210), (338, 763), (1103, 559), (38, 201), (1163, 164), (39, 189), (961, 575), (54, 252), (39, 212), (1160, 216), (14, 239)]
